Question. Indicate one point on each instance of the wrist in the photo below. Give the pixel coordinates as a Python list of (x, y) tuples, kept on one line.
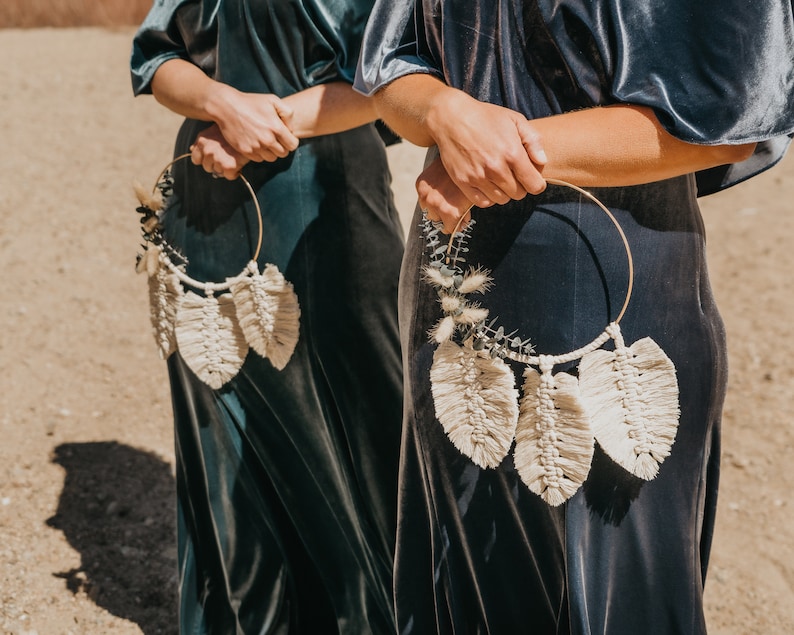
[(219, 102), (442, 103)]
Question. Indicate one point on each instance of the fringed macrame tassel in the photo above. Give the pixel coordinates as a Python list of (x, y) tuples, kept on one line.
[(149, 261), (209, 338), (165, 295), (632, 397), (476, 402), (268, 313), (554, 441)]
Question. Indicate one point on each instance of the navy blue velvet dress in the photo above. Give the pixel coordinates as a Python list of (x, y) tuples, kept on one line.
[(477, 551), (286, 479)]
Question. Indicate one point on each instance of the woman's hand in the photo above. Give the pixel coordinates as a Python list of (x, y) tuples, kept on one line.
[(216, 155), (440, 198), (492, 153), (257, 126)]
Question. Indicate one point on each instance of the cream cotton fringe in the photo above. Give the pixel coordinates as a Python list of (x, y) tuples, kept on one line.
[(475, 401), (214, 331), (625, 399)]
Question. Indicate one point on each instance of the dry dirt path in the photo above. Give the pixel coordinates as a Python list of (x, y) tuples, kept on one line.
[(86, 459)]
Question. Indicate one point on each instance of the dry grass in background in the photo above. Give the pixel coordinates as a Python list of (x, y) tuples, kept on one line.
[(70, 13)]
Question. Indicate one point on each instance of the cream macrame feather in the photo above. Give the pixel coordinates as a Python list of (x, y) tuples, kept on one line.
[(213, 332), (268, 312), (554, 441), (209, 337), (626, 399), (632, 396), (165, 294), (476, 402)]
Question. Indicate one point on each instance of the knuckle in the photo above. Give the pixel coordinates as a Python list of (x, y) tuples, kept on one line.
[(538, 187)]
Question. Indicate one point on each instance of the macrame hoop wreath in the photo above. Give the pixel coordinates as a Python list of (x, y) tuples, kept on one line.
[(213, 324), (626, 398)]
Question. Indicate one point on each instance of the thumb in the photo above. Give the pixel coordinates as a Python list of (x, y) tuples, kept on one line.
[(532, 142), (284, 112)]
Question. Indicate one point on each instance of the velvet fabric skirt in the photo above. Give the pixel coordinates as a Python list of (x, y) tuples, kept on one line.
[(286, 480), (477, 551)]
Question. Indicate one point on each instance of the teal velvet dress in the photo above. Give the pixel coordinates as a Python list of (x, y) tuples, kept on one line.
[(286, 479)]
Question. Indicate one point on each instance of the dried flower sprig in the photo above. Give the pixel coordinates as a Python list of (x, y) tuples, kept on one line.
[(452, 284)]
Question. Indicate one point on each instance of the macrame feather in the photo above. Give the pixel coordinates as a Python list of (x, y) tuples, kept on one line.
[(554, 441), (209, 337), (149, 260), (632, 397), (165, 295), (476, 402), (268, 313)]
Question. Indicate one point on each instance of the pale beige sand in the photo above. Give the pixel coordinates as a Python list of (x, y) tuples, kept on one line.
[(79, 370)]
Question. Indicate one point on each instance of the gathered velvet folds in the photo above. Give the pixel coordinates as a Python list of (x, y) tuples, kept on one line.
[(477, 551), (278, 47), (286, 480)]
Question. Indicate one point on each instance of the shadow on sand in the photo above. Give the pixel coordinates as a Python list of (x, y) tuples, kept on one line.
[(117, 511)]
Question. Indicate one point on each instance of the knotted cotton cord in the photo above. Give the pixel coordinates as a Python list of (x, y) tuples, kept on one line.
[(214, 333), (627, 399)]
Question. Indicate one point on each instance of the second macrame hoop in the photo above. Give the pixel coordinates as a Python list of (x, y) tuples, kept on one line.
[(213, 324), (626, 399)]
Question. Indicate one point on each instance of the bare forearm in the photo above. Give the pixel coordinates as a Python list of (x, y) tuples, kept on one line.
[(404, 104), (184, 88), (325, 109), (607, 146), (328, 109), (622, 145)]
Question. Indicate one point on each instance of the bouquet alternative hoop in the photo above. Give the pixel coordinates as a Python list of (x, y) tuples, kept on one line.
[(626, 398), (213, 324)]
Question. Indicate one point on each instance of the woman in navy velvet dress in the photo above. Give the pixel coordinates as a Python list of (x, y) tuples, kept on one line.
[(648, 105)]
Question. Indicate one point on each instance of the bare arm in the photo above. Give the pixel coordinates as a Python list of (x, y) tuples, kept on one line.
[(623, 145), (489, 151), (328, 109), (256, 126), (607, 146)]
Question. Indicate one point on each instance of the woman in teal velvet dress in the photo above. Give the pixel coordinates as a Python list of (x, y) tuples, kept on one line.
[(286, 479)]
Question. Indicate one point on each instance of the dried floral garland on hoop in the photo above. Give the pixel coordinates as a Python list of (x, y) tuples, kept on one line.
[(214, 328), (626, 398)]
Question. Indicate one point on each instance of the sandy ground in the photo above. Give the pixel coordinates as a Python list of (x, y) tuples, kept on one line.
[(86, 459)]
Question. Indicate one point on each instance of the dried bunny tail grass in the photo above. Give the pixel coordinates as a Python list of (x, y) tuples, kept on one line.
[(150, 200), (149, 260), (436, 278), (443, 330), (471, 315), (476, 280), (450, 303)]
